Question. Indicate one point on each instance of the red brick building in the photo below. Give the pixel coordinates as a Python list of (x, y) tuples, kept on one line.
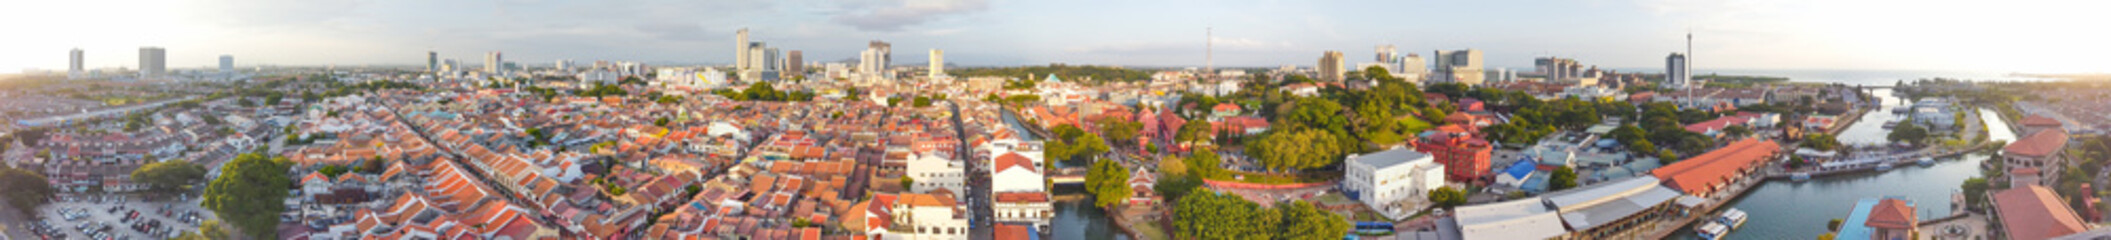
[(1460, 149)]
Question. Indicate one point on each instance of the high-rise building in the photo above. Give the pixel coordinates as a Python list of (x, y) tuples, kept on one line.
[(1675, 71), (740, 50), (450, 65), (1330, 67), (432, 61), (564, 64), (938, 64), (153, 62), (770, 62), (1386, 52), (227, 63), (493, 62), (793, 65), (1462, 66), (876, 57), (1412, 67), (73, 64)]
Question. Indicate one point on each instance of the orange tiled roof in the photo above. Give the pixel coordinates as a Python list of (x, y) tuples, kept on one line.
[(1891, 213), (2035, 212), (1700, 174), (2039, 144)]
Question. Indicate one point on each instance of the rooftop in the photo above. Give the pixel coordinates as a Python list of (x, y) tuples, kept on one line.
[(2038, 144), (1390, 158), (2035, 212)]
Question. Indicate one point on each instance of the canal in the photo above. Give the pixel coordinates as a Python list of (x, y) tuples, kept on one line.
[(1075, 218), (1800, 210)]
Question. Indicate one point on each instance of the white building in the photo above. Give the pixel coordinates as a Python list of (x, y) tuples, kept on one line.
[(1380, 179), (73, 64), (227, 63), (1528, 218), (936, 170), (924, 216), (938, 64), (153, 62)]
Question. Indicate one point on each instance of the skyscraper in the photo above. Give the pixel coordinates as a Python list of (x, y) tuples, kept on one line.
[(1462, 66), (153, 62), (1330, 67), (432, 61), (492, 62), (876, 57), (770, 62), (1385, 53), (740, 50), (938, 63), (793, 65), (73, 64), (227, 63), (1675, 71)]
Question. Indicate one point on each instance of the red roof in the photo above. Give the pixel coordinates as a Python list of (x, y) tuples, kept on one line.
[(2038, 144), (1717, 124), (1892, 213), (1022, 197), (2035, 120), (1700, 174), (1013, 159), (1013, 232), (2034, 212)]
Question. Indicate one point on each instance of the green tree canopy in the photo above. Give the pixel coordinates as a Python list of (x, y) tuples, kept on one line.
[(1298, 149), (1109, 183), (25, 190), (1302, 221), (169, 177), (1563, 178), (248, 193), (1447, 197)]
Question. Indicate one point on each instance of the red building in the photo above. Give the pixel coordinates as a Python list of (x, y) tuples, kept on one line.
[(1461, 150)]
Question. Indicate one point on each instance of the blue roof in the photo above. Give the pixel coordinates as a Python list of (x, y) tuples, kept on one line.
[(1523, 167), (1854, 227), (1052, 78)]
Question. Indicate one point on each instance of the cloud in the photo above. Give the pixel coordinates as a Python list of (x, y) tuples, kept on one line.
[(892, 16)]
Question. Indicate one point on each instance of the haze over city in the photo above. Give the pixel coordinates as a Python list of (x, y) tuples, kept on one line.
[(1987, 36)]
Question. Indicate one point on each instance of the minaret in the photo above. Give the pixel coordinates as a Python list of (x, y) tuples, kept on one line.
[(1689, 59), (1209, 52)]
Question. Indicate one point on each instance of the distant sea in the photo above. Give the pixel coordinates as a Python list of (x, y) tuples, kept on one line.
[(1856, 77)]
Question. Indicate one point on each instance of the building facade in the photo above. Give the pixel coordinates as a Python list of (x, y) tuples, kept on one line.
[(1383, 178)]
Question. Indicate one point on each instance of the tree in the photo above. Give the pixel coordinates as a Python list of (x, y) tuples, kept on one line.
[(25, 190), (1121, 130), (1298, 149), (169, 177), (248, 194), (1737, 131), (1204, 163), (1302, 221), (1193, 131), (662, 121), (373, 166), (1109, 183), (332, 170), (1564, 178), (907, 182), (1908, 132), (1204, 214), (1820, 141), (920, 101), (1447, 197), (1974, 191)]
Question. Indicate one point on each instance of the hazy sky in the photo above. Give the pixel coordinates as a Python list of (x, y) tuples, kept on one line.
[(2007, 35)]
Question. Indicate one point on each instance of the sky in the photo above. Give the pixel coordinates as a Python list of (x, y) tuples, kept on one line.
[(2037, 36)]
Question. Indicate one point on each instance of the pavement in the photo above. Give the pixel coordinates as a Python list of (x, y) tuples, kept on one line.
[(98, 212)]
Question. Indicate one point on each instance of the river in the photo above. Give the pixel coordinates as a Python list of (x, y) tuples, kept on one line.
[(1075, 218), (1800, 210)]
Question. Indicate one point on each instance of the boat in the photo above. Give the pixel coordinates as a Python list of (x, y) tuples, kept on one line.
[(1883, 166), (1732, 217), (1926, 161), (1711, 230), (1799, 176), (1891, 124)]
